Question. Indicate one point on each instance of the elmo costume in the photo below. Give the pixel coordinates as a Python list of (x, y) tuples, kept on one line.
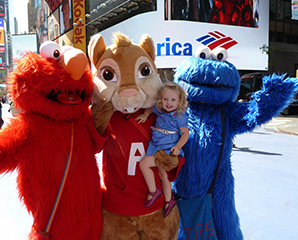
[(52, 144)]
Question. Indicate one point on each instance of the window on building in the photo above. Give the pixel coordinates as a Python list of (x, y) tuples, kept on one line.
[(282, 27)]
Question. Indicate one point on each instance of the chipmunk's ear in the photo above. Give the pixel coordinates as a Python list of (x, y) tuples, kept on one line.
[(96, 48), (147, 44)]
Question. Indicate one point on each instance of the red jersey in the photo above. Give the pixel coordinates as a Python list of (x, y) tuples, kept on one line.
[(125, 189)]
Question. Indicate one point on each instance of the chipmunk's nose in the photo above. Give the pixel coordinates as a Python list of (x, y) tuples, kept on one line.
[(129, 92)]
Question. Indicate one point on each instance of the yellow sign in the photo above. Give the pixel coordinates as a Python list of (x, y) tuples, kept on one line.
[(2, 37), (79, 29)]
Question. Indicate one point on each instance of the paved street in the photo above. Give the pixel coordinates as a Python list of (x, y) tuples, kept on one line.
[(284, 124), (5, 114), (265, 167)]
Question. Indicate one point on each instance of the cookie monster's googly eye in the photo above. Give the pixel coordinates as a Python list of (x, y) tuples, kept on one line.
[(49, 49), (144, 71), (108, 74), (203, 52), (219, 54)]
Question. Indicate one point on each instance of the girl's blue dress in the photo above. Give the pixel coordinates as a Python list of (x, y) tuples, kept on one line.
[(168, 121)]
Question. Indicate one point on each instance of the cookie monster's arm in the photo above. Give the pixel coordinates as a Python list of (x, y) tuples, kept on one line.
[(12, 138), (274, 96)]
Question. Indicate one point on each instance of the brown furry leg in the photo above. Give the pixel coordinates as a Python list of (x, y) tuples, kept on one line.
[(118, 227), (156, 226), (147, 227)]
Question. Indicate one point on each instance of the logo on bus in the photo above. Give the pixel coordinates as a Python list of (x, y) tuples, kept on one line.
[(211, 39)]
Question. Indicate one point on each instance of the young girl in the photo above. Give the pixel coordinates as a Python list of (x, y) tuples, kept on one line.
[(170, 133)]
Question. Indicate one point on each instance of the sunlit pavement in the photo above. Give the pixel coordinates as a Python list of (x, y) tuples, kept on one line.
[(265, 169), (15, 222), (5, 114), (284, 124)]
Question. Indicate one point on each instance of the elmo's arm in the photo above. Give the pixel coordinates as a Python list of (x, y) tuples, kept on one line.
[(12, 138)]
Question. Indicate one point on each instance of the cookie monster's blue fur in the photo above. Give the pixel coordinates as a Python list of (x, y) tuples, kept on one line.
[(210, 84)]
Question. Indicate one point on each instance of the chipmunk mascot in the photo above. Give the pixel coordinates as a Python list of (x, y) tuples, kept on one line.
[(127, 83), (52, 143), (212, 84)]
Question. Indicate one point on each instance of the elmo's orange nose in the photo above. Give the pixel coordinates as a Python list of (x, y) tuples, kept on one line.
[(75, 62)]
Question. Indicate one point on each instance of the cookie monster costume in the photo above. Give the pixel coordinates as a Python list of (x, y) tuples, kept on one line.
[(209, 85)]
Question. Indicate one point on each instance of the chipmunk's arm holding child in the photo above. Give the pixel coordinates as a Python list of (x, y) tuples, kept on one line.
[(143, 117)]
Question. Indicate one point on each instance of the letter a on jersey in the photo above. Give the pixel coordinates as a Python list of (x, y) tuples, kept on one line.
[(137, 152)]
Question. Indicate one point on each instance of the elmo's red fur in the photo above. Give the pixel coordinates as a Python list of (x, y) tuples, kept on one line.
[(37, 144)]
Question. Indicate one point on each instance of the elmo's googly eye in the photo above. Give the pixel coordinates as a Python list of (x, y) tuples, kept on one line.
[(203, 52), (219, 54), (144, 71), (49, 49), (108, 74)]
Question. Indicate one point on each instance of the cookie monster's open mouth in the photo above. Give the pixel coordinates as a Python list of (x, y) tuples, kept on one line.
[(69, 97)]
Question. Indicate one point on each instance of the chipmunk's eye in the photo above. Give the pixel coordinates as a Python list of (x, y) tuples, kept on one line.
[(108, 74), (144, 70), (49, 49)]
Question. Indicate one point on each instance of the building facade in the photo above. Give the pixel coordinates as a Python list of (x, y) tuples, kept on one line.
[(5, 41), (283, 37), (70, 22), (282, 47)]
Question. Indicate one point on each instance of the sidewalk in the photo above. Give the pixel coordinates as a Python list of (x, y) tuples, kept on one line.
[(6, 116), (284, 124)]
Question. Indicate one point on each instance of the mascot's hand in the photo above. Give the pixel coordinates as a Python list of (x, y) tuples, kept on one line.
[(101, 115), (166, 161)]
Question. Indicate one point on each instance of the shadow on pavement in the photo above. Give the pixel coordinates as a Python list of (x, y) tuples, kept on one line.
[(248, 150)]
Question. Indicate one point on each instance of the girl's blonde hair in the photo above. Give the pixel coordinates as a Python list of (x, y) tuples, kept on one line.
[(182, 106)]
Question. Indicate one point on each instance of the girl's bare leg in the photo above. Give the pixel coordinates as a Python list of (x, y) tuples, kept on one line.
[(145, 165), (166, 185)]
